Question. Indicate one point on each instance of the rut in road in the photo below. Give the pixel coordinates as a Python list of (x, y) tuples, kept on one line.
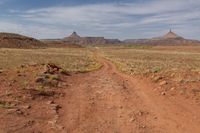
[(107, 101)]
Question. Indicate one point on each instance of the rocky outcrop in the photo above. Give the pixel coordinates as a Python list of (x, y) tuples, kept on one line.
[(74, 38), (170, 38), (170, 35), (10, 40)]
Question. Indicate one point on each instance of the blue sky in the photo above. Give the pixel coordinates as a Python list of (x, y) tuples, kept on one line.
[(110, 18)]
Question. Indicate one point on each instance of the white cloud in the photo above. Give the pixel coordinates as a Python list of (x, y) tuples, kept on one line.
[(33, 30), (113, 18)]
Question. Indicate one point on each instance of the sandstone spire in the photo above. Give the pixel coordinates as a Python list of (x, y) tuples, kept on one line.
[(171, 35)]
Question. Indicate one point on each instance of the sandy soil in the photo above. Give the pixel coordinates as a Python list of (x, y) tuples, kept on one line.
[(104, 101), (107, 101)]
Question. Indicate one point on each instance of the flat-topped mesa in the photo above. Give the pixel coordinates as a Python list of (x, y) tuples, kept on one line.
[(74, 38)]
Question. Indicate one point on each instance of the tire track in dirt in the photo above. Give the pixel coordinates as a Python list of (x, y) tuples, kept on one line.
[(108, 101)]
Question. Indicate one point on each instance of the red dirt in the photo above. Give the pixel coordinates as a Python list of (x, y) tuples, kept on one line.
[(109, 101), (106, 101)]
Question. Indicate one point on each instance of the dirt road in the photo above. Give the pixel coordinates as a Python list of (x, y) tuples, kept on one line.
[(107, 101)]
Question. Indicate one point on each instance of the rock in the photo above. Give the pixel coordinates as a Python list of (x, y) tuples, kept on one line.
[(173, 74), (60, 127), (56, 107), (51, 102), (143, 126), (155, 89), (64, 72), (26, 107), (29, 123), (157, 78), (172, 89), (18, 111), (62, 94), (163, 83), (180, 80), (18, 71), (163, 93), (14, 81), (23, 65), (132, 120), (1, 71), (9, 84), (33, 64), (51, 68), (53, 122), (140, 113), (19, 75), (39, 80), (10, 111)]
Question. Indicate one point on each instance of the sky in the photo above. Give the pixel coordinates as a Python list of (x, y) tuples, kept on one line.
[(122, 19)]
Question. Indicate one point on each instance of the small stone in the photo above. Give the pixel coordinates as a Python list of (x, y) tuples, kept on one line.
[(27, 107), (19, 75), (163, 93), (172, 75), (10, 111), (1, 71), (53, 122), (172, 89), (140, 113), (62, 94), (23, 65), (9, 84), (163, 83), (33, 64), (29, 123), (132, 120), (50, 102), (18, 71), (157, 78), (18, 111), (13, 81), (60, 127), (143, 126), (39, 80), (155, 89), (56, 107)]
